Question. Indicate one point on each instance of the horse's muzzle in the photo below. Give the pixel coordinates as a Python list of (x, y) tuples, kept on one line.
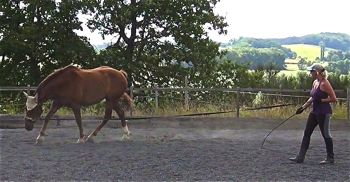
[(29, 124), (29, 127)]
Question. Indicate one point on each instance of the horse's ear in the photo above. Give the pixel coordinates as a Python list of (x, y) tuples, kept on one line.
[(25, 93)]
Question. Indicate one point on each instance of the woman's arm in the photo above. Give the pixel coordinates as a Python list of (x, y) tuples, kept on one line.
[(327, 87), (307, 103)]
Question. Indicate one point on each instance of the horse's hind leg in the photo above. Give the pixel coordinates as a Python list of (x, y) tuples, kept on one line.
[(121, 114), (108, 115), (53, 110)]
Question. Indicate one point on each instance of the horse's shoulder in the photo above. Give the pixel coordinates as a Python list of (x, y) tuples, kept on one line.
[(71, 71)]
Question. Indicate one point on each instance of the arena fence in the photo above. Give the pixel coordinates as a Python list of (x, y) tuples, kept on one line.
[(227, 99)]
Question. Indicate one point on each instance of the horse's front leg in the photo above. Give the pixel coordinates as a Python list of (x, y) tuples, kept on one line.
[(77, 115), (108, 115), (53, 110)]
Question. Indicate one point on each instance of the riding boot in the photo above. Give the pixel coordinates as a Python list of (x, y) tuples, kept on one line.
[(297, 159), (302, 152), (300, 157), (330, 154)]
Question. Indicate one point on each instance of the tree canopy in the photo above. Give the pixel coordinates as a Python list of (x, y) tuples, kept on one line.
[(37, 37), (156, 42), (155, 38)]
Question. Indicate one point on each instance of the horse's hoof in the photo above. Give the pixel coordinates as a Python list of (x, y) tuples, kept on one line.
[(89, 140), (39, 140), (81, 140), (125, 137)]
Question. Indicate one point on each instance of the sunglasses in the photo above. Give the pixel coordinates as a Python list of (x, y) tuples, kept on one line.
[(312, 71)]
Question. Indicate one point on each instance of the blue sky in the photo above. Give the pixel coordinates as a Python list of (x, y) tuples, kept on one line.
[(273, 19)]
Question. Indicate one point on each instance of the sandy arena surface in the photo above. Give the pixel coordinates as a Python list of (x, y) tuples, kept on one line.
[(184, 149)]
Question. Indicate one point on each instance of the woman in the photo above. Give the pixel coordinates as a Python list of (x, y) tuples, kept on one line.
[(322, 94)]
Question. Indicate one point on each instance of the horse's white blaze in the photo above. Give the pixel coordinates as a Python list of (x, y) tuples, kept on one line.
[(32, 102)]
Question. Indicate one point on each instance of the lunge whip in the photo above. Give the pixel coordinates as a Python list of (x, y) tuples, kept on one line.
[(262, 144)]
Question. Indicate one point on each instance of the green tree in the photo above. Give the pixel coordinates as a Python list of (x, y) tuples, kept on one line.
[(258, 58), (303, 63), (154, 38), (323, 48), (37, 37), (342, 66)]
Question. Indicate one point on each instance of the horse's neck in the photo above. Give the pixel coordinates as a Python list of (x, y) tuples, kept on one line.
[(42, 91), (48, 87)]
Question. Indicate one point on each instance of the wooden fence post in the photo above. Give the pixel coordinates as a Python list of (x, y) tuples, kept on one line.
[(157, 95), (186, 94), (237, 102), (132, 97)]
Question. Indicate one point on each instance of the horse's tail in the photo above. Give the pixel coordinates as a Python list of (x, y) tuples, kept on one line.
[(125, 102)]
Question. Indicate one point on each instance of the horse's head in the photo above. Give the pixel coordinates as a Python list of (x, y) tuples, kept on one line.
[(33, 111)]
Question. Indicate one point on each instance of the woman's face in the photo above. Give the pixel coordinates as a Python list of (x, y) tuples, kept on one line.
[(313, 73)]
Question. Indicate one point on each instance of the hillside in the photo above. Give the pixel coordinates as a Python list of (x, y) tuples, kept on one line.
[(250, 50), (331, 40)]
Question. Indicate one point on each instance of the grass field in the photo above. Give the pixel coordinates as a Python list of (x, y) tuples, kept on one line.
[(292, 67), (311, 52)]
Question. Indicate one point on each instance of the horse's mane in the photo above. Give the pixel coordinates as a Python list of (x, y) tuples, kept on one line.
[(54, 75), (124, 73)]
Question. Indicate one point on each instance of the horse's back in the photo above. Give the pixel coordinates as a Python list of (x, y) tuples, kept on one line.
[(88, 86), (107, 75), (105, 81)]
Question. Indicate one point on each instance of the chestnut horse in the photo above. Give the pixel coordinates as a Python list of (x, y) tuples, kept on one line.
[(74, 87)]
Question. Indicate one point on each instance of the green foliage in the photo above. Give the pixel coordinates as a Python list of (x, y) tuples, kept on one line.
[(228, 74), (257, 58), (302, 64), (155, 38), (342, 66), (38, 37), (339, 81), (337, 55), (157, 42), (258, 43)]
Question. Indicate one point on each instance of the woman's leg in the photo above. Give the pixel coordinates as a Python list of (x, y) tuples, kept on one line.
[(324, 124), (310, 126)]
